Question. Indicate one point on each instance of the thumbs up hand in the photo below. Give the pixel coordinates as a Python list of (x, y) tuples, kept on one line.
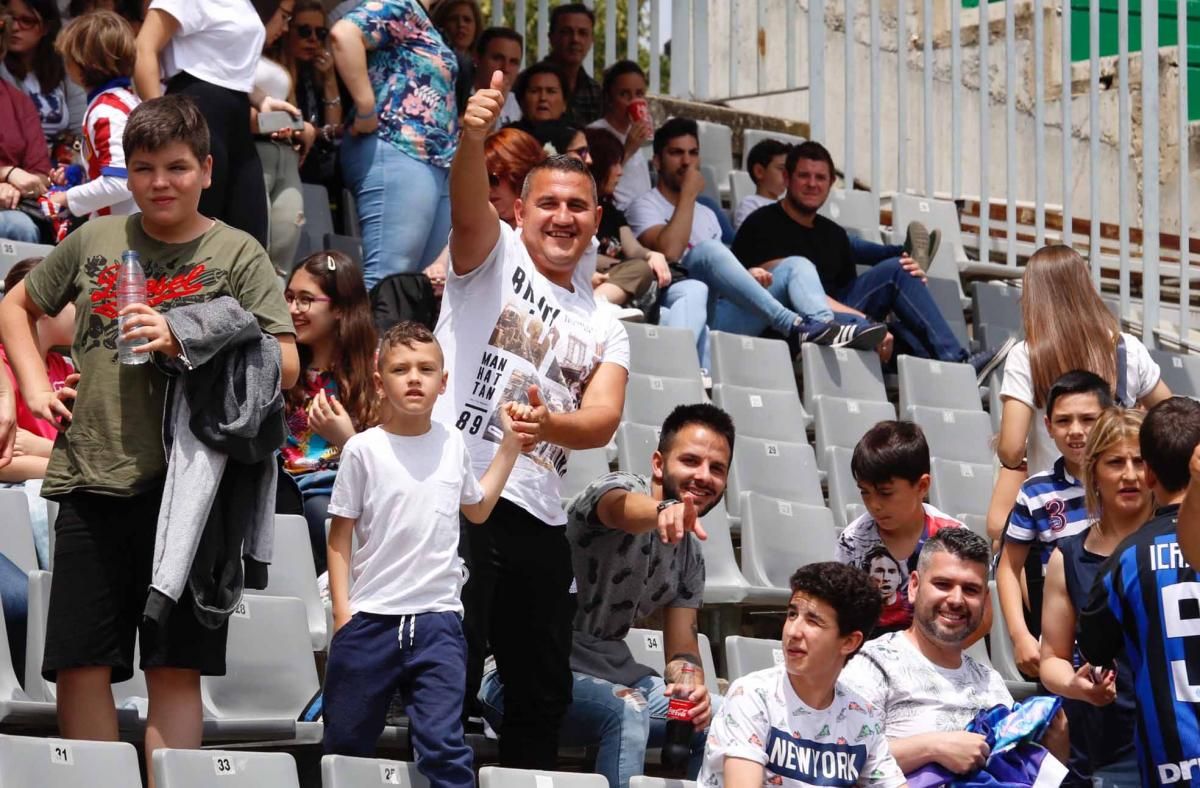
[(529, 421), (483, 108)]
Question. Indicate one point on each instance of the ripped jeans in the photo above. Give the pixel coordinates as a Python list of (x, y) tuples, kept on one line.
[(622, 722)]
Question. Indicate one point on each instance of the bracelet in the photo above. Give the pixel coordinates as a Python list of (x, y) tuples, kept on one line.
[(333, 102), (8, 174), (667, 504), (1019, 466)]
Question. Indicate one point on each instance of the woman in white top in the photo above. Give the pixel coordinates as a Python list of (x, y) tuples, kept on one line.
[(280, 152), (210, 51), (624, 84), (1067, 327)]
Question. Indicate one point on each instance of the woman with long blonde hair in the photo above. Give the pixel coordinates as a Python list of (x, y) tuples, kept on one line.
[(1100, 708)]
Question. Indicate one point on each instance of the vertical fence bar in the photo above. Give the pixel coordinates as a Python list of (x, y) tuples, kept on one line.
[(1039, 122), (1010, 133), (681, 49), (901, 95), (590, 58), (1185, 235), (760, 32), (497, 13), (927, 94), (700, 44), (1094, 138), (655, 48), (519, 21), (955, 100), (1068, 232), (1124, 136), (633, 10), (816, 64), (543, 27), (1150, 152), (610, 30), (876, 148), (735, 37), (985, 132), (793, 81), (849, 124)]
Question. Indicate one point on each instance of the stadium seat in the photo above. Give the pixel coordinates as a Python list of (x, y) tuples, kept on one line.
[(318, 218), (947, 294), (343, 771), (293, 573), (977, 523), (635, 444), (779, 536), (1000, 650), (350, 215), (641, 781), (776, 469), (500, 777), (997, 309), (842, 373), (224, 769), (746, 655), (1180, 372), (713, 187), (270, 676), (16, 537), (649, 399), (844, 499), (936, 384), (958, 435), (17, 709), (27, 762), (960, 487), (952, 257), (856, 211), (13, 252), (842, 422), (662, 351), (723, 581), (741, 186), (716, 150), (583, 468), (771, 415), (347, 245), (647, 645), (752, 362), (751, 137)]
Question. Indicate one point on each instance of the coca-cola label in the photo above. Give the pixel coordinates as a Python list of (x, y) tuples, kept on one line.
[(679, 709)]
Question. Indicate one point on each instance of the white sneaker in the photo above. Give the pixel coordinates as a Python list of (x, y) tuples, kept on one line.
[(620, 312)]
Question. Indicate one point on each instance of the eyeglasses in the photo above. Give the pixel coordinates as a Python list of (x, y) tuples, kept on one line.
[(303, 302), (308, 31), (26, 22), (582, 151)]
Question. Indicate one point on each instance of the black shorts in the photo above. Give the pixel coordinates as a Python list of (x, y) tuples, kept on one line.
[(103, 554)]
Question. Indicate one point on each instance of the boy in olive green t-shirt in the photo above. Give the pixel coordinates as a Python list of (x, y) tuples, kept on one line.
[(108, 464)]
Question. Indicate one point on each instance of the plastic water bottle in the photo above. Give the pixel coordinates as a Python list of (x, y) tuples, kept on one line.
[(131, 289)]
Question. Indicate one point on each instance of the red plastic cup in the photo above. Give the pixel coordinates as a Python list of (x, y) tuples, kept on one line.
[(639, 111)]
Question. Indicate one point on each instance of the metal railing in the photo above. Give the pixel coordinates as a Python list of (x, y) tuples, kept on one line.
[(697, 25)]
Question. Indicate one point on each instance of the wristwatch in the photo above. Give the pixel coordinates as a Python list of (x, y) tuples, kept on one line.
[(667, 503)]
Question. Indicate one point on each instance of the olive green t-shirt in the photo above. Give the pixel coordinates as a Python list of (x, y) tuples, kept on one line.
[(114, 444)]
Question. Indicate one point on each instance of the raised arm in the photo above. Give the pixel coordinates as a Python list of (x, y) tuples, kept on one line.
[(474, 223), (496, 476), (157, 31), (635, 513)]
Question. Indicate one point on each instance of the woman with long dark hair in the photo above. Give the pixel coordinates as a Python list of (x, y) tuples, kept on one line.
[(33, 65)]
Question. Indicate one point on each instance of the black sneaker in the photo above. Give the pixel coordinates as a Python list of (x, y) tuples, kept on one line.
[(814, 331), (864, 334), (986, 361)]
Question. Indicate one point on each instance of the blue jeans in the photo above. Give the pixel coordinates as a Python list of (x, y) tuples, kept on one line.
[(870, 253), (403, 207), (794, 283), (684, 304), (16, 226), (1122, 774), (621, 721), (14, 598), (919, 328), (712, 263), (728, 233)]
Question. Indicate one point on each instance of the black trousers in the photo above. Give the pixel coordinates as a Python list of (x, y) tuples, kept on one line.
[(519, 606), (238, 194)]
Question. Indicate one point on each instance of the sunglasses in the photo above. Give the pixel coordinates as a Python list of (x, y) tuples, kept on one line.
[(493, 180), (308, 31)]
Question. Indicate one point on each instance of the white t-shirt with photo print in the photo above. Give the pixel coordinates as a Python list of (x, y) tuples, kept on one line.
[(503, 328), (915, 696), (764, 721)]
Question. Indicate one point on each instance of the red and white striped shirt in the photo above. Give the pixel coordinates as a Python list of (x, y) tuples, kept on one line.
[(106, 191)]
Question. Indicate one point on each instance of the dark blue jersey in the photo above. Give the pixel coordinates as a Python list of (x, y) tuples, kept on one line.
[(1146, 601)]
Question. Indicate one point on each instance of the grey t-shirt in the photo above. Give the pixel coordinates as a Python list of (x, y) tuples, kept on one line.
[(622, 577)]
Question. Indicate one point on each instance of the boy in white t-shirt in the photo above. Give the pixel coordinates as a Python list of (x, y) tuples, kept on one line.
[(795, 724), (766, 165), (396, 607)]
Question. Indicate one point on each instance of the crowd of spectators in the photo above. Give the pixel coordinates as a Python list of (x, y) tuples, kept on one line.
[(538, 208)]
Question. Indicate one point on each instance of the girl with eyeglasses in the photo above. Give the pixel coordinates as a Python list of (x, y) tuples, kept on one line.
[(24, 159), (32, 65), (335, 397)]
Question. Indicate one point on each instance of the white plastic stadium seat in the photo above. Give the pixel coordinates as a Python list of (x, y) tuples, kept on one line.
[(716, 150), (647, 646), (223, 769), (960, 487), (16, 535), (841, 373), (952, 257), (663, 351), (293, 573), (775, 469), (635, 444), (13, 252), (1180, 372), (778, 537), (751, 137), (1001, 651), (583, 468), (60, 763), (745, 655), (956, 435), (343, 771), (842, 422), (649, 399), (500, 777), (856, 211), (774, 415), (641, 781), (936, 384), (741, 186), (723, 581), (752, 362)]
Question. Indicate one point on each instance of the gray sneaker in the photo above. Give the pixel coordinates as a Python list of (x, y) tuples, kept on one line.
[(921, 244)]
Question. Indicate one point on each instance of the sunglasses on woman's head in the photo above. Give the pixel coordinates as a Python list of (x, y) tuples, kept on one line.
[(307, 31)]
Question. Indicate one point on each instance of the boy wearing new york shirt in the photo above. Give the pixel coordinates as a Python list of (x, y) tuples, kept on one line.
[(400, 488), (108, 466), (796, 725)]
